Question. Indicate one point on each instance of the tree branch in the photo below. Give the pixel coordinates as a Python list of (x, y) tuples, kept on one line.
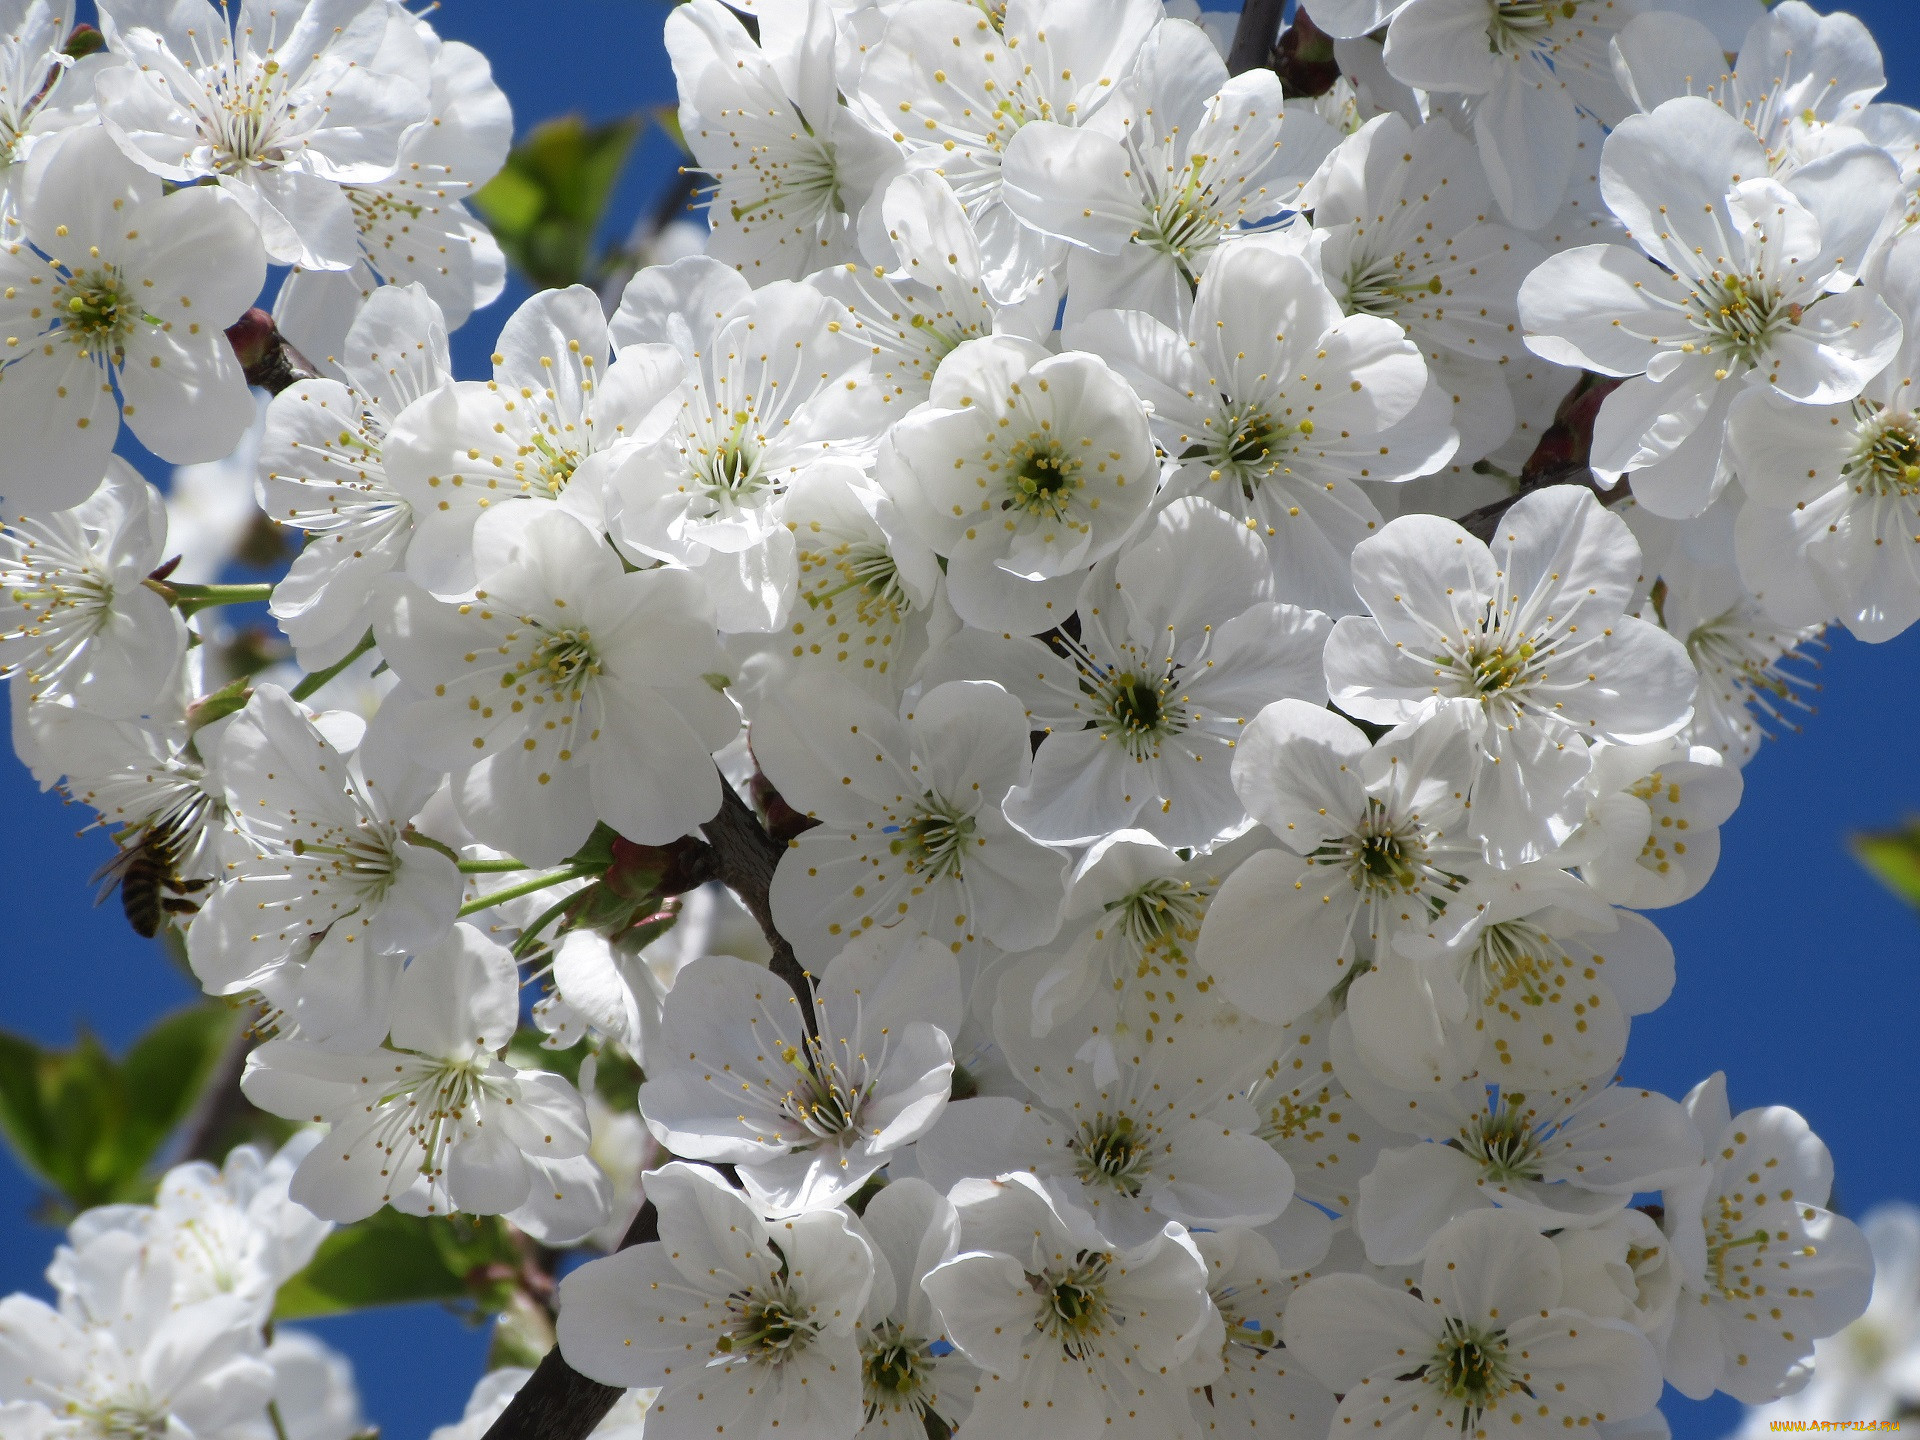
[(1253, 37), (747, 856), (1561, 458)]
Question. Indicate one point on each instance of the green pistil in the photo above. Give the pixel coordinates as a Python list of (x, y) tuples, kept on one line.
[(1469, 1368), (1043, 478), (96, 312), (1074, 1302), (1111, 1153), (935, 840), (732, 469), (1503, 1145), (769, 1329)]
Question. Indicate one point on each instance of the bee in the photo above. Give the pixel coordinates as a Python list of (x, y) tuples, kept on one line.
[(146, 873)]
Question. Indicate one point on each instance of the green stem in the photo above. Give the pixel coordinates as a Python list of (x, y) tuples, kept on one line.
[(529, 940), (527, 887), (191, 599), (320, 677), (279, 1425), (490, 867)]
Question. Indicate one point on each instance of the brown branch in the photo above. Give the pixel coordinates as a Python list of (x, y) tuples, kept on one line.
[(558, 1402), (1561, 457), (1253, 37), (747, 856)]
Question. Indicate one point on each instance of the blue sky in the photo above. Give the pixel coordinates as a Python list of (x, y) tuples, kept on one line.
[(1798, 975)]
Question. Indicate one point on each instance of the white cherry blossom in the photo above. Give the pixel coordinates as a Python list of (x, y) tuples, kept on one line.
[(1765, 1270), (1744, 281), (323, 469), (77, 619), (791, 166), (1272, 404), (1058, 1316), (113, 298), (742, 1322), (912, 835), (1489, 1346), (278, 104), (1024, 469), (563, 692), (806, 1115), (1527, 639), (435, 1122)]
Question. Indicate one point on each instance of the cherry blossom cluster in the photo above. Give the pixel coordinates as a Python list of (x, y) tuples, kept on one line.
[(1219, 610), (162, 1321)]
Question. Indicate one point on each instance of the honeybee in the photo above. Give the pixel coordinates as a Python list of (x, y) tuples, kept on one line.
[(146, 873)]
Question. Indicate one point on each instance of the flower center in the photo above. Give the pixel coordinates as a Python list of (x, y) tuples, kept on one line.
[(935, 840), (1503, 1145), (1160, 913), (1516, 26), (555, 469), (1740, 314), (827, 1095), (561, 660), (1380, 857), (1491, 667), (1110, 1152), (768, 1329), (1886, 454), (895, 1370), (1138, 713), (1073, 1308), (1514, 962), (1246, 444), (1746, 657), (1041, 477), (1375, 287), (124, 1421), (729, 470), (96, 311), (1469, 1368), (864, 569), (1735, 1254)]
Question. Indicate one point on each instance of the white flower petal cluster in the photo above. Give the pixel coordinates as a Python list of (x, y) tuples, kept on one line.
[(1088, 709), (162, 1317)]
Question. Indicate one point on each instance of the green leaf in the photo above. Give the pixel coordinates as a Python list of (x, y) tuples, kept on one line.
[(547, 204), (395, 1259), (1893, 857), (90, 1126)]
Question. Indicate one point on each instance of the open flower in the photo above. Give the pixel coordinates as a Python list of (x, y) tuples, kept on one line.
[(1182, 161), (746, 1324), (113, 297), (331, 880), (565, 691), (1745, 281), (77, 619), (1272, 403), (1059, 1317), (323, 469), (806, 1116), (278, 104), (1179, 646), (912, 833), (435, 1122), (1373, 845), (1528, 640), (791, 165), (1024, 469), (1488, 1348)]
